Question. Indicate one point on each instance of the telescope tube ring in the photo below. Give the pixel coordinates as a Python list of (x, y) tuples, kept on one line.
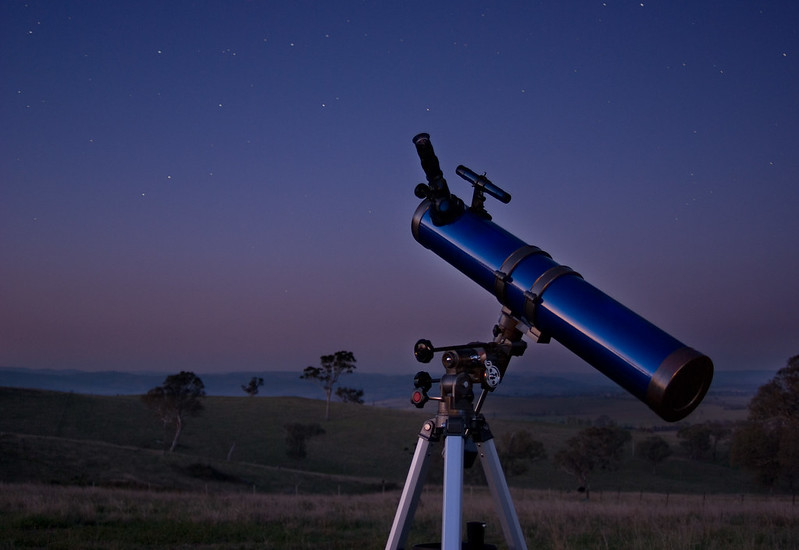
[(534, 295), (503, 274)]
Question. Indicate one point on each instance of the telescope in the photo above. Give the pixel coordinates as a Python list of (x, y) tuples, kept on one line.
[(552, 301)]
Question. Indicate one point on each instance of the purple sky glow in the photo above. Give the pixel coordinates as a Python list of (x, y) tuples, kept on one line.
[(229, 186)]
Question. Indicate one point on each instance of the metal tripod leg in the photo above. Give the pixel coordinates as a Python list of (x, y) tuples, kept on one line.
[(501, 495), (411, 492), (453, 493)]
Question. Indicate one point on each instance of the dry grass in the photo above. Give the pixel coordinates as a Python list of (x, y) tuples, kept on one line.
[(33, 516), (653, 521)]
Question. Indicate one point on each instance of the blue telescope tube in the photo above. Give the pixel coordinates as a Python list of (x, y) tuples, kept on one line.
[(556, 302)]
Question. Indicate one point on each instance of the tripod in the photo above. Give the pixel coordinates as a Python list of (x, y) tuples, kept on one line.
[(459, 423)]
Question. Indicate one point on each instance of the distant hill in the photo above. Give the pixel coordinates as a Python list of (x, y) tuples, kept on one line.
[(377, 387)]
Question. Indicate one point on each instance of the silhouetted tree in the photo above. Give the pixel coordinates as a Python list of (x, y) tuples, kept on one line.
[(719, 432), (178, 397), (768, 442), (333, 366), (251, 388), (654, 450), (517, 450), (595, 448), (757, 448), (296, 437), (696, 440), (350, 395)]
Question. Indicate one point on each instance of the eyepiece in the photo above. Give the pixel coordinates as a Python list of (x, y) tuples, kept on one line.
[(428, 157), (445, 207)]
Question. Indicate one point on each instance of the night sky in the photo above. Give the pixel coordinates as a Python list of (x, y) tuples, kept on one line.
[(228, 186)]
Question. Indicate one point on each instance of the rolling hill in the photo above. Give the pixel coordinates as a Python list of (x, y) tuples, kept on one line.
[(239, 444)]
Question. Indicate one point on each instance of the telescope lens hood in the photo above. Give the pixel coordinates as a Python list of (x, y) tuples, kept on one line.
[(679, 384)]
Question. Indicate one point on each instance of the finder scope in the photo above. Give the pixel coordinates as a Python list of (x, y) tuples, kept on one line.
[(553, 301)]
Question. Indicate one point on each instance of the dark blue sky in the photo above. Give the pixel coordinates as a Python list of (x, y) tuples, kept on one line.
[(222, 186)]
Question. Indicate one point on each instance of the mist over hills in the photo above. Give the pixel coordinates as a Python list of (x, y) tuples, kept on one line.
[(377, 387)]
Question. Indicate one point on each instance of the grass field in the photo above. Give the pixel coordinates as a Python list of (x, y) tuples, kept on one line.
[(90, 472), (37, 516)]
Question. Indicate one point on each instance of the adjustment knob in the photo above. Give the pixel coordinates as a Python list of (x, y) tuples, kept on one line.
[(419, 398)]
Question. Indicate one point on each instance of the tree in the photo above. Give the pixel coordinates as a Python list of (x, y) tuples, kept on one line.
[(519, 450), (350, 395), (251, 388), (767, 442), (296, 436), (756, 448), (595, 448), (719, 432), (653, 449), (333, 366), (695, 439), (699, 440), (178, 397)]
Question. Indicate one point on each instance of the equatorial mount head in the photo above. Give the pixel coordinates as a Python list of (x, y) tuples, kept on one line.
[(483, 362)]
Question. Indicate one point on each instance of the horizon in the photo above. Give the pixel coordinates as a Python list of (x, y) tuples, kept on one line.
[(581, 371)]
